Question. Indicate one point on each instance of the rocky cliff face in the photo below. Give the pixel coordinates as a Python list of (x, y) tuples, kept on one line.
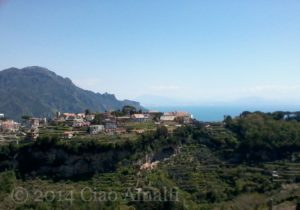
[(60, 164), (61, 161)]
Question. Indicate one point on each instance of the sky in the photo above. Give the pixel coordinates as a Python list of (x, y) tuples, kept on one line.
[(192, 51)]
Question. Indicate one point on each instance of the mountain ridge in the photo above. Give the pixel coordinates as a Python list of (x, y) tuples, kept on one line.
[(37, 91)]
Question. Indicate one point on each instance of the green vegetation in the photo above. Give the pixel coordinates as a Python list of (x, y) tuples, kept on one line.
[(240, 163), (265, 137), (140, 126)]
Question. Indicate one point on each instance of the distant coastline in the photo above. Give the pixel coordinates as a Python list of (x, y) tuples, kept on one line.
[(210, 113)]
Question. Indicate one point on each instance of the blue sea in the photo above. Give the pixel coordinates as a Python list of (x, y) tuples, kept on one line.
[(217, 113)]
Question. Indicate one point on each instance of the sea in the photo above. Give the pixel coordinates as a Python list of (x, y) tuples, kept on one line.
[(217, 113)]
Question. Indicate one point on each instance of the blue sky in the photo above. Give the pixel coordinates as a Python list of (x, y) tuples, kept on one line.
[(189, 50)]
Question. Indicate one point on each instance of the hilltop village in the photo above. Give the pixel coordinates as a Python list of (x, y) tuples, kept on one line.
[(127, 121)]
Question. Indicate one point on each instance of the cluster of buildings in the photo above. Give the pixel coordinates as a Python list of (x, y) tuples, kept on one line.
[(8, 126), (81, 120), (8, 130), (180, 117), (31, 127), (93, 124), (110, 123), (74, 120)]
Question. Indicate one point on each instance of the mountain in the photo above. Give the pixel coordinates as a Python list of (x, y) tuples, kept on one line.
[(36, 91)]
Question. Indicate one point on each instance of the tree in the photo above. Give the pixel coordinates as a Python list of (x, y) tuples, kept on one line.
[(99, 118), (87, 112), (129, 110), (278, 115), (298, 204), (157, 116), (162, 132), (26, 117), (245, 114), (117, 113)]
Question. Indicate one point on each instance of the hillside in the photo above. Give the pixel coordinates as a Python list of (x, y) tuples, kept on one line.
[(244, 163), (39, 92)]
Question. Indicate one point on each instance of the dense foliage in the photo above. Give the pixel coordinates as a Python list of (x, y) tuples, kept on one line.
[(265, 137), (236, 164)]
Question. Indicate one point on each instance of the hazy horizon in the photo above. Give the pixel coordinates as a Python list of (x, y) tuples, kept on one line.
[(191, 52)]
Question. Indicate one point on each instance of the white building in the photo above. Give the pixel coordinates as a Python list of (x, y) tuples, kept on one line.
[(167, 118), (1, 115), (95, 129), (90, 117), (140, 117), (183, 117)]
